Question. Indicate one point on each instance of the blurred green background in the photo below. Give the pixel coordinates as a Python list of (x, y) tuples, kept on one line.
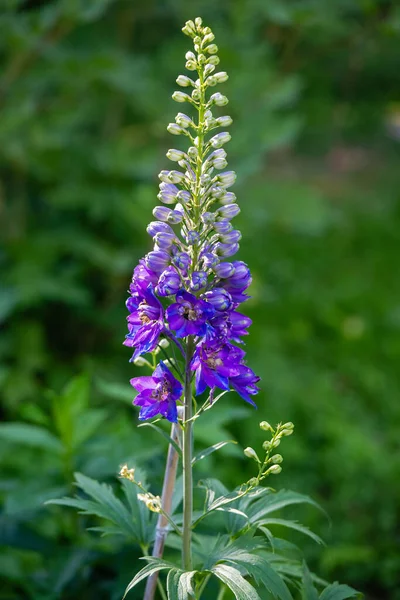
[(314, 92)]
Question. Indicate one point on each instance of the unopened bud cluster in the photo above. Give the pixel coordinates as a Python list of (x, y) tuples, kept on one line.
[(271, 464)]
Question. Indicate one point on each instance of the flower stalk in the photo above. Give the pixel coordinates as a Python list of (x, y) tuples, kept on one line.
[(187, 463)]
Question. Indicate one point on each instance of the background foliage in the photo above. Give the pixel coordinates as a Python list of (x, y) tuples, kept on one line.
[(84, 101)]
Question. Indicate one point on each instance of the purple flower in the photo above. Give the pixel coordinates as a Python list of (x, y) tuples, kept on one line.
[(145, 323), (169, 282), (228, 211), (219, 298), (157, 394), (188, 315), (228, 326), (182, 260), (157, 260), (244, 382), (238, 282), (142, 277), (168, 193), (198, 280), (226, 250), (224, 270), (158, 227), (214, 365)]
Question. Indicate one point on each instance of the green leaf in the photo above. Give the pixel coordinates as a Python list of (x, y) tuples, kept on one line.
[(259, 568), (273, 501), (165, 435), (155, 565), (185, 588), (296, 526), (337, 591), (308, 590), (232, 578), (30, 435), (173, 578), (210, 450)]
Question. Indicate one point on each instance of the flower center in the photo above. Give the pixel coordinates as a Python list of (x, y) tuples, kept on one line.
[(162, 392)]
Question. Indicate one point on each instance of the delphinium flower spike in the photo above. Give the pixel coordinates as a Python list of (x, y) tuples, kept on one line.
[(189, 287)]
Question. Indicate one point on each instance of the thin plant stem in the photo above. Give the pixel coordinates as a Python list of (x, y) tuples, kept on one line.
[(187, 463), (221, 593), (166, 503)]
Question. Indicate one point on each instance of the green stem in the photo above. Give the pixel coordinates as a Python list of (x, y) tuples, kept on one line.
[(187, 463), (221, 593)]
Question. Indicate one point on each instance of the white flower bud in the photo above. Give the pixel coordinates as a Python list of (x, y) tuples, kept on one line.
[(209, 69), (183, 120), (286, 432), (189, 28), (212, 49), (175, 155), (213, 60), (190, 56), (211, 81), (198, 22), (175, 129), (196, 94), (288, 425), (180, 97), (191, 65), (201, 59), (220, 139), (276, 459), (218, 99), (264, 425), (224, 121), (221, 77), (251, 453), (274, 470), (140, 361), (184, 81), (210, 37), (164, 343)]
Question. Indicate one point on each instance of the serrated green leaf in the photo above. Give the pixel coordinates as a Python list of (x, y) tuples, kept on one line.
[(296, 526), (273, 501), (210, 450), (337, 591), (259, 568), (173, 583), (232, 578), (155, 565), (30, 435), (185, 588)]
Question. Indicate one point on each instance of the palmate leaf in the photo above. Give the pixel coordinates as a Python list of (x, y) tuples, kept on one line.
[(271, 502), (154, 565), (337, 591), (233, 579), (261, 570), (103, 503)]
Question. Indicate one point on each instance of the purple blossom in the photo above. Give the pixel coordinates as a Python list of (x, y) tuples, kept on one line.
[(145, 322), (244, 382), (158, 394), (214, 365), (188, 315)]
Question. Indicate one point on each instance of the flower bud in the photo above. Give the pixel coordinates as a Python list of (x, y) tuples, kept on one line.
[(218, 99), (276, 459), (222, 226), (198, 280), (228, 198), (168, 192), (220, 139), (139, 361), (224, 121), (274, 470), (266, 446), (265, 426), (182, 260), (226, 250), (210, 37), (175, 155), (288, 425), (165, 240), (285, 432), (209, 260), (157, 227), (213, 60), (208, 69), (227, 178), (190, 56), (198, 22), (193, 153), (231, 237), (207, 218), (192, 237), (162, 213), (157, 260), (171, 176), (183, 120), (196, 94), (221, 77), (175, 129), (191, 65), (189, 28), (217, 192), (219, 163), (220, 299), (211, 81), (229, 211), (184, 196), (184, 81), (224, 270), (169, 283), (175, 217), (211, 49), (180, 97), (251, 453), (252, 482)]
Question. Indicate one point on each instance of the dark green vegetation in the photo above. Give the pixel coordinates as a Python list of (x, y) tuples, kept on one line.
[(84, 102)]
